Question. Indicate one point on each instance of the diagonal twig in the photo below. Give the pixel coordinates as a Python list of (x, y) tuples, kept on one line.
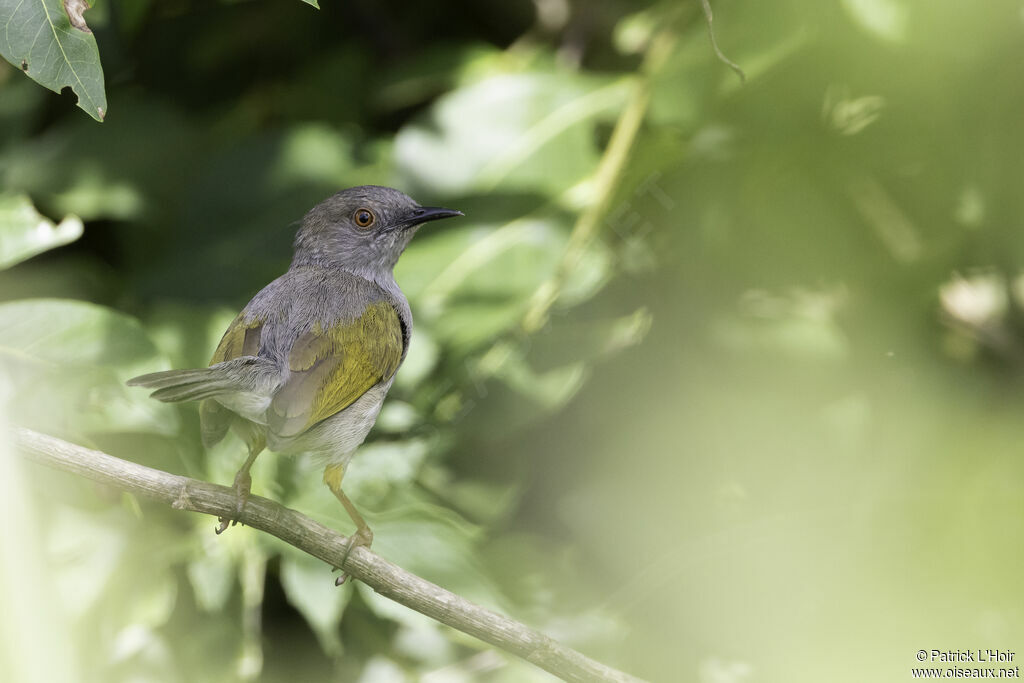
[(298, 530), (710, 18)]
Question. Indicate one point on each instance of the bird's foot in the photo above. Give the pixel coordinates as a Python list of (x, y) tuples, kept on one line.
[(362, 537), (243, 484)]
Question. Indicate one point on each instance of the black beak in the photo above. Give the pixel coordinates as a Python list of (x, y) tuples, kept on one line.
[(422, 214)]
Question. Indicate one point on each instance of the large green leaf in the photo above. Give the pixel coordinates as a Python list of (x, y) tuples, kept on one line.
[(50, 41), (68, 361), (25, 233), (513, 132)]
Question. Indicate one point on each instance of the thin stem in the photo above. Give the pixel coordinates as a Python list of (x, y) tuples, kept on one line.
[(609, 171), (612, 166), (710, 18)]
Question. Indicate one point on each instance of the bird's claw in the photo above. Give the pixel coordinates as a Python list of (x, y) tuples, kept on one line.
[(361, 538), (243, 484)]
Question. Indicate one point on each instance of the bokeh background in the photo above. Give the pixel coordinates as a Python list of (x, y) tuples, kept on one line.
[(736, 398)]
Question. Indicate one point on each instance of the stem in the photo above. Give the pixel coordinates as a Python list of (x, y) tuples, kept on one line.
[(710, 19), (309, 536), (609, 171)]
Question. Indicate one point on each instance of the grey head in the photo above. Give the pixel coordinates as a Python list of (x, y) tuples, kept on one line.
[(362, 229)]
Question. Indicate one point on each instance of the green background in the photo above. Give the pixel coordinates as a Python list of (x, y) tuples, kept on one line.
[(770, 431)]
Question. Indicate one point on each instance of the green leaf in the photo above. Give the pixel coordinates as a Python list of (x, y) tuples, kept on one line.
[(50, 41), (551, 389), (87, 549), (482, 277), (886, 19), (433, 542), (69, 360), (212, 574), (25, 233), (73, 332), (514, 132), (309, 588), (314, 3)]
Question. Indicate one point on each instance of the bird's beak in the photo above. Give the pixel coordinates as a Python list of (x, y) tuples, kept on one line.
[(422, 214)]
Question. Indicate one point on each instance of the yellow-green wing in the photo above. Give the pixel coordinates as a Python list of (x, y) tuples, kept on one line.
[(331, 368), (241, 339)]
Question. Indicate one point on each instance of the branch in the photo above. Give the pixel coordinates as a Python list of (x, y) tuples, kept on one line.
[(325, 544), (606, 179), (612, 166)]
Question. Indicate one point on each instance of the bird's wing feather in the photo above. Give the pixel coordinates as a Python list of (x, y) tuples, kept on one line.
[(242, 338), (330, 368)]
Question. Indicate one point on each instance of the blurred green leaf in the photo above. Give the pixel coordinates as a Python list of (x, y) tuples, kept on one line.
[(419, 360), (69, 361), (396, 417), (502, 263), (551, 389), (480, 278), (25, 233), (87, 549), (309, 588), (482, 501), (378, 470), (50, 41), (385, 464), (435, 543), (525, 132), (418, 635), (212, 572), (887, 19), (56, 332)]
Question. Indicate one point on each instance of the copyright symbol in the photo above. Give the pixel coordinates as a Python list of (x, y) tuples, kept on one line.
[(921, 655)]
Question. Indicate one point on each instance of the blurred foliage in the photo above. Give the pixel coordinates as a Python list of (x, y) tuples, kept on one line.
[(775, 400), (25, 233)]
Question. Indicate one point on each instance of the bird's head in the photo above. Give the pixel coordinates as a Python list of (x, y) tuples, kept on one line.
[(363, 229)]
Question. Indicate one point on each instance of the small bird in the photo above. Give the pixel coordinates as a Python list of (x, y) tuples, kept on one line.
[(305, 366)]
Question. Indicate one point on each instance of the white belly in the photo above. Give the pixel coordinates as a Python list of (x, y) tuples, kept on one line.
[(251, 406), (334, 440)]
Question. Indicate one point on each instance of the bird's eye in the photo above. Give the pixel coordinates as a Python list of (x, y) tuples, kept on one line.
[(363, 217)]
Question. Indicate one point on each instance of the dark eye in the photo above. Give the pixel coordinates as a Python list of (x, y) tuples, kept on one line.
[(363, 217)]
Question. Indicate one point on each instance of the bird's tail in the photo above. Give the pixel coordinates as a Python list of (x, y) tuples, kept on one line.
[(185, 385)]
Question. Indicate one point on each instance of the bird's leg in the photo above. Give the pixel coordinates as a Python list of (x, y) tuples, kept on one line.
[(363, 536), (243, 485)]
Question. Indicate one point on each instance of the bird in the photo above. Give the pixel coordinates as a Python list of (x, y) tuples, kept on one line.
[(306, 364)]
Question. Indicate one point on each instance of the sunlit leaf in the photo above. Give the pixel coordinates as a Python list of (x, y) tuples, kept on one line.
[(86, 550), (530, 131), (887, 19), (25, 233), (480, 279), (419, 360), (212, 574), (69, 360)]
